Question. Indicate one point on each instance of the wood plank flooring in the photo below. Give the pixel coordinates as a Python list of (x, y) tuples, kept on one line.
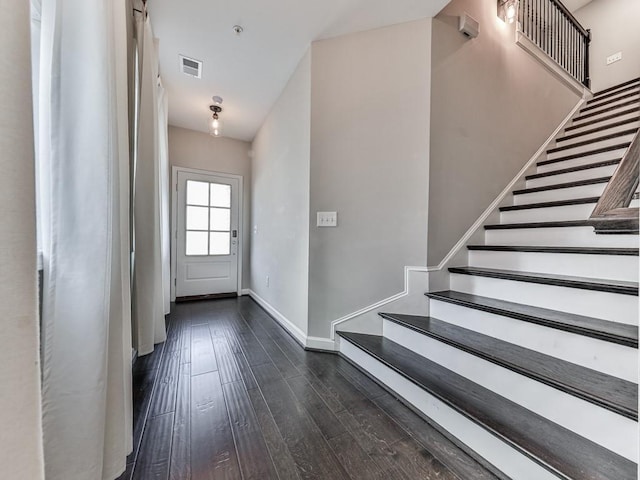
[(230, 395)]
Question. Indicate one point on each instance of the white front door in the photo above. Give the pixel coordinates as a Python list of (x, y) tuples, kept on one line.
[(207, 235)]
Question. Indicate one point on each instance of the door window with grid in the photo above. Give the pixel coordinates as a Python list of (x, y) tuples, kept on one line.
[(208, 219)]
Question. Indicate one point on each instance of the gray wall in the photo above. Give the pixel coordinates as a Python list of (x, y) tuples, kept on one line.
[(614, 27), (191, 149), (369, 162), (493, 105), (280, 208)]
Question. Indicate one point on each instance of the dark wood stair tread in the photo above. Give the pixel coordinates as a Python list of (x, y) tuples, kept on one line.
[(579, 168), (610, 136), (558, 186), (606, 101), (610, 148), (550, 445), (613, 332), (603, 119), (554, 224), (629, 252), (606, 110), (616, 87), (613, 93), (557, 203), (583, 283), (617, 395), (601, 128)]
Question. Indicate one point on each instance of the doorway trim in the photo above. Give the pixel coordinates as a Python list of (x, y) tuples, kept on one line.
[(174, 221)]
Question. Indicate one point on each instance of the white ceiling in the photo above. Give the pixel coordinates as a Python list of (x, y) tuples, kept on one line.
[(250, 71)]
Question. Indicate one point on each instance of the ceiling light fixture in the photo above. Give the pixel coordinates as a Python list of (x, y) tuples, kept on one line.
[(215, 125)]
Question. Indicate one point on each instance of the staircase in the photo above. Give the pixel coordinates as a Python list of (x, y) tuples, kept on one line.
[(530, 360)]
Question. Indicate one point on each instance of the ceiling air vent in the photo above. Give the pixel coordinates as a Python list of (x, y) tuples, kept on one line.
[(191, 66)]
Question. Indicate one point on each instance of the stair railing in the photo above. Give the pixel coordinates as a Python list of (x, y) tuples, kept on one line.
[(553, 29), (612, 213)]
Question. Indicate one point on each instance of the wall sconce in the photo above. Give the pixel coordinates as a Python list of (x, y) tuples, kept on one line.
[(507, 10), (215, 124)]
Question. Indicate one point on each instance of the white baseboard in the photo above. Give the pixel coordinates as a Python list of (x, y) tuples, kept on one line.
[(407, 271), (315, 343), (289, 326), (244, 292), (320, 343), (459, 246), (479, 223)]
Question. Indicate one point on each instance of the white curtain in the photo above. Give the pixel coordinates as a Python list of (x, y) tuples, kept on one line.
[(163, 158), (148, 297), (83, 163), (20, 402)]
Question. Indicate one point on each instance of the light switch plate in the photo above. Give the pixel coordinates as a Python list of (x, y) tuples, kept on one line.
[(614, 58), (327, 219)]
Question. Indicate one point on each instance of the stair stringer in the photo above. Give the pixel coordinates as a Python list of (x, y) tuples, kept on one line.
[(431, 278), (439, 275), (504, 459)]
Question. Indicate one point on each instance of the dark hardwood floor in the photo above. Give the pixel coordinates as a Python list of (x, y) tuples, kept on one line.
[(230, 395)]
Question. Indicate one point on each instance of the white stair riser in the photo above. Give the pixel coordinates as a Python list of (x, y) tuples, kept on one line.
[(630, 95), (561, 236), (586, 126), (592, 146), (634, 203), (615, 104), (548, 214), (612, 431), (601, 113), (606, 357), (583, 191), (616, 101), (619, 88), (612, 98), (572, 176), (508, 460), (613, 267), (607, 306), (586, 160), (597, 134)]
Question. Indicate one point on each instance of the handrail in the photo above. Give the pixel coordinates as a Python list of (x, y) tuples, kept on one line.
[(554, 29), (573, 19), (612, 213)]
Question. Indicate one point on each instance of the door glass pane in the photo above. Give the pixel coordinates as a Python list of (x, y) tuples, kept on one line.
[(219, 243), (196, 243), (220, 195), (197, 193), (220, 219), (197, 218)]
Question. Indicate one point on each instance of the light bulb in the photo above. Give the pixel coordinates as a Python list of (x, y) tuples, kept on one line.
[(215, 126), (511, 12)]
